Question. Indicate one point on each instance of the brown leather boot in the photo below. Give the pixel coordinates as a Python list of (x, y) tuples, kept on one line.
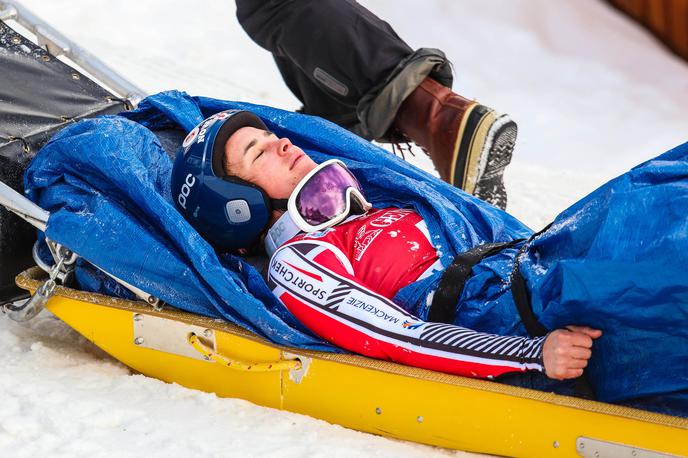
[(470, 144)]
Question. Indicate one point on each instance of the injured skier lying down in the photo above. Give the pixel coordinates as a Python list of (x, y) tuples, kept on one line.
[(603, 287), (427, 276)]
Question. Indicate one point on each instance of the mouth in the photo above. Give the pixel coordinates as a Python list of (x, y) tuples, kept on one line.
[(296, 159)]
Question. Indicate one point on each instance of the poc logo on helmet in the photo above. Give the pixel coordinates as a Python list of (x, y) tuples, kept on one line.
[(189, 181)]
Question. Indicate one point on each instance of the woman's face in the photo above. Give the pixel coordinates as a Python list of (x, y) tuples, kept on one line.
[(259, 157)]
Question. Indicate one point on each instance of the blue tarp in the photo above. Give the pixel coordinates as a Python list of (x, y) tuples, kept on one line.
[(615, 260)]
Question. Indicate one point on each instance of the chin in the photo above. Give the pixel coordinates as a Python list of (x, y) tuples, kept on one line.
[(304, 165)]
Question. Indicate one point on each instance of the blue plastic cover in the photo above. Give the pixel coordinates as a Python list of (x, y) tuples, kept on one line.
[(615, 260)]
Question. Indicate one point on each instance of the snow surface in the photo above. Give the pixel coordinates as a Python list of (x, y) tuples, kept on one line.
[(593, 95)]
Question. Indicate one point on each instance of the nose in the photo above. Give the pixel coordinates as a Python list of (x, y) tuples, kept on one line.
[(283, 146)]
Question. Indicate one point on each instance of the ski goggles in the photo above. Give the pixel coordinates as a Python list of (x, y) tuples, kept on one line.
[(325, 197)]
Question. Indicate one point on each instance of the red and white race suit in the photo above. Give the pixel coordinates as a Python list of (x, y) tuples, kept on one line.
[(339, 283)]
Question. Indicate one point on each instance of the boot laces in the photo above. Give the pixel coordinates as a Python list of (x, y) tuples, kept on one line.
[(401, 149), (401, 144)]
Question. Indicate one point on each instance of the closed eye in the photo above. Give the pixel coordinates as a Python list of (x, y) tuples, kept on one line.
[(266, 133)]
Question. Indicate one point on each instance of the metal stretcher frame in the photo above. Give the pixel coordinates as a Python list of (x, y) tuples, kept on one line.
[(40, 69), (59, 45)]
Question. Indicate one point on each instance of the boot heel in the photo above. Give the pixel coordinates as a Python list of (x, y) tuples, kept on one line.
[(473, 138)]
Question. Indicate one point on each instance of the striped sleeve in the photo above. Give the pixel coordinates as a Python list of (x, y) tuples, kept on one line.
[(315, 281)]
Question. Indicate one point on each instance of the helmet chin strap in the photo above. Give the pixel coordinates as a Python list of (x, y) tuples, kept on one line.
[(279, 204), (284, 229)]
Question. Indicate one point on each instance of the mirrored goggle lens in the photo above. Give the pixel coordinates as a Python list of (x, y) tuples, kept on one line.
[(323, 197)]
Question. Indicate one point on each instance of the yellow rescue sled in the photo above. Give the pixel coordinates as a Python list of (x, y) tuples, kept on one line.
[(369, 395)]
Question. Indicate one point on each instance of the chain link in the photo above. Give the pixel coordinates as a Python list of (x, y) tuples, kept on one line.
[(48, 288)]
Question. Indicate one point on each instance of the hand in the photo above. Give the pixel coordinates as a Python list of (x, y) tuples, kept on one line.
[(566, 351)]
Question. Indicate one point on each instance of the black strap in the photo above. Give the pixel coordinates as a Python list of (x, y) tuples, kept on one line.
[(519, 291), (443, 308), (279, 204), (522, 299)]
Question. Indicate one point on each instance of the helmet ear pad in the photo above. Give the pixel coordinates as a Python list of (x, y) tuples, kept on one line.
[(234, 123), (231, 212)]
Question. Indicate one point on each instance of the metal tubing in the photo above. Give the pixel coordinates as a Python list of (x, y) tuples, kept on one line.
[(27, 210), (7, 12), (28, 309), (58, 44)]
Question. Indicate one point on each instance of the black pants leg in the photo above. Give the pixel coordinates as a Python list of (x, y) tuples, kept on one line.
[(343, 62)]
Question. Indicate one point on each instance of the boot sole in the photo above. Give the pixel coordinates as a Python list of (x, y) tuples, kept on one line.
[(498, 152), (485, 148)]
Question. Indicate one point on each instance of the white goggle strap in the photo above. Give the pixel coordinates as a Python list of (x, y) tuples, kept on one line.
[(282, 231)]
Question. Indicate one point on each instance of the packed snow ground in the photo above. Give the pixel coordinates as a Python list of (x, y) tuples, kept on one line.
[(592, 93)]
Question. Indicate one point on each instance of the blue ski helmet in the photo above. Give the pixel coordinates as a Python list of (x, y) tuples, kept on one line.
[(228, 212)]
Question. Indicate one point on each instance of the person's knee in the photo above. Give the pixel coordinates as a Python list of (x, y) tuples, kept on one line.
[(271, 23), (261, 20)]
